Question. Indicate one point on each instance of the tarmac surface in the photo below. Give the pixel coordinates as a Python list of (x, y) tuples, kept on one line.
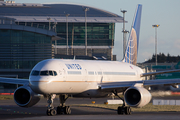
[(10, 111)]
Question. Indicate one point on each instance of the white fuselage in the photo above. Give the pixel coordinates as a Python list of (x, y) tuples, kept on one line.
[(79, 76)]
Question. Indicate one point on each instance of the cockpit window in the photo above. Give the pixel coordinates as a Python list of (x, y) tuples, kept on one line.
[(35, 73), (50, 73), (55, 73), (44, 73)]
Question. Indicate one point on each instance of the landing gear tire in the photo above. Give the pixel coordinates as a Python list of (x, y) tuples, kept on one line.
[(48, 112), (51, 112), (127, 110), (119, 111), (67, 110), (63, 110), (60, 110), (124, 110)]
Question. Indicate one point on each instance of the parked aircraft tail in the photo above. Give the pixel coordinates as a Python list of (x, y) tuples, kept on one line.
[(131, 52)]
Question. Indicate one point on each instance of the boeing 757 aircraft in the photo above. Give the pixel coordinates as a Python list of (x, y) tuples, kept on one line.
[(90, 78)]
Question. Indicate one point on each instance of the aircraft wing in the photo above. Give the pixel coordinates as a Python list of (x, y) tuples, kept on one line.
[(118, 85), (121, 86), (14, 81), (159, 72)]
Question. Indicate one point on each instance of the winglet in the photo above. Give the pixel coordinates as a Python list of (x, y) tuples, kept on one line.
[(130, 55)]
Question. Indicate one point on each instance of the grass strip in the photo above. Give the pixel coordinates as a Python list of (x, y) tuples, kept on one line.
[(6, 97)]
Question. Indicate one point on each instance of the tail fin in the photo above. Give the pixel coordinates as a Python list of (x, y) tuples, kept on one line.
[(130, 55)]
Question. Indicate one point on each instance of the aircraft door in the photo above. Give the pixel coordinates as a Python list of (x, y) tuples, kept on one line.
[(62, 73), (85, 75)]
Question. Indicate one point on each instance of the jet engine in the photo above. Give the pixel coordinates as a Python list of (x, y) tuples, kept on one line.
[(25, 97), (137, 96)]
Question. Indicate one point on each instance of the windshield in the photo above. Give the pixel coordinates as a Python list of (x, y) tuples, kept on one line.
[(44, 73), (35, 73)]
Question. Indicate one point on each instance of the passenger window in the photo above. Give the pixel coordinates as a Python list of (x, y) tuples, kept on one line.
[(55, 73), (44, 73), (50, 73)]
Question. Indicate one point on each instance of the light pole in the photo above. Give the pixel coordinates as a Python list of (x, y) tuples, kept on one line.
[(156, 26), (67, 33), (49, 23), (86, 9), (55, 23), (124, 31)]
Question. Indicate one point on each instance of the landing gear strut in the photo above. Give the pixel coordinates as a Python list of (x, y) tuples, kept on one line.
[(62, 109), (122, 109), (51, 111)]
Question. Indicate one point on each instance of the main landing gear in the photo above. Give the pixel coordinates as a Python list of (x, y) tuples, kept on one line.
[(61, 109), (122, 109)]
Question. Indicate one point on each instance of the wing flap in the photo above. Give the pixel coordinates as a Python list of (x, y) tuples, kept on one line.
[(14, 81)]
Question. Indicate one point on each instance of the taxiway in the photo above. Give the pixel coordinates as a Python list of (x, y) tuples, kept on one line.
[(9, 110)]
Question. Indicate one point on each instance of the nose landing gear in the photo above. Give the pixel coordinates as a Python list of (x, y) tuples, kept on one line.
[(51, 111)]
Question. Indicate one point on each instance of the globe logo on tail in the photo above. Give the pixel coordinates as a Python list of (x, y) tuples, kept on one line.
[(131, 52)]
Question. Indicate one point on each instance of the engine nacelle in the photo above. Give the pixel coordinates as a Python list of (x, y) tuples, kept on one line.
[(137, 96), (25, 97)]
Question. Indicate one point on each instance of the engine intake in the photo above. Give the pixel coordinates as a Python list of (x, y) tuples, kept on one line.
[(25, 97), (137, 96)]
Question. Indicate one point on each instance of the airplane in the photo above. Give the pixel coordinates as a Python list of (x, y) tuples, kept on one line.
[(91, 79)]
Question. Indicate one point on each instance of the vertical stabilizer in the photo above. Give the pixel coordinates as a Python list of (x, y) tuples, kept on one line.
[(131, 52)]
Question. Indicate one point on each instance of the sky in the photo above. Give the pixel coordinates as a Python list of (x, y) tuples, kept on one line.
[(162, 12)]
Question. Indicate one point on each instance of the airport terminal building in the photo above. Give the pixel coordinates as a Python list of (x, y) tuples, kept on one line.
[(30, 33)]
